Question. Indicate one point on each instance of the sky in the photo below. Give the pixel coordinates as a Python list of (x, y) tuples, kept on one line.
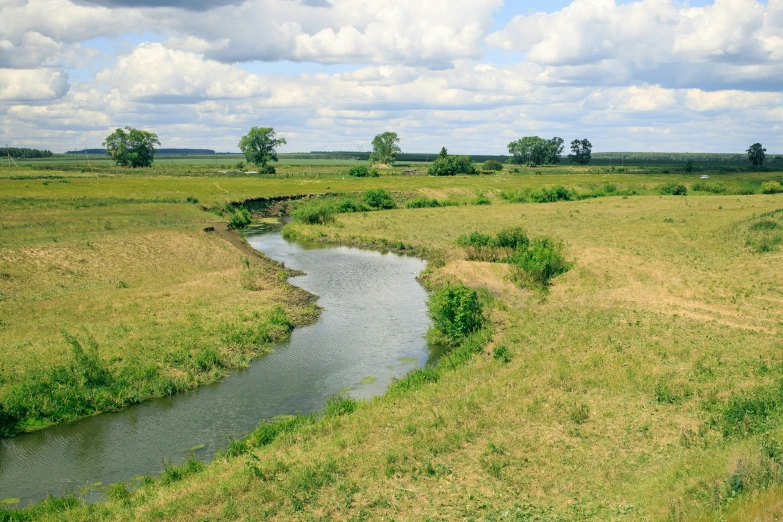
[(471, 75)]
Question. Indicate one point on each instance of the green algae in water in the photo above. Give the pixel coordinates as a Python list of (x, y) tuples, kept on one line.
[(368, 380), (11, 501), (408, 359)]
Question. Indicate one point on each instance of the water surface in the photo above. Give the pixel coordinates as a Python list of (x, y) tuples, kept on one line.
[(372, 326)]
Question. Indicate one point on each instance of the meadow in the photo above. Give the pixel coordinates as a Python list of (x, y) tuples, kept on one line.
[(644, 383)]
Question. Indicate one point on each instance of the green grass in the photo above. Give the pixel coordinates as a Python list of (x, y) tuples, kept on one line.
[(644, 385)]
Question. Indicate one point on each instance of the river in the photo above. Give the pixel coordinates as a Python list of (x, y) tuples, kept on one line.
[(371, 330)]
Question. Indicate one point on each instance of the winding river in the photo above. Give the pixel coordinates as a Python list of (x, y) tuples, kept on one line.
[(371, 330)]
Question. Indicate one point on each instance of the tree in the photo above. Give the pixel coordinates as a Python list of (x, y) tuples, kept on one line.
[(689, 166), (131, 147), (757, 155), (581, 152), (554, 150), (384, 148), (259, 145), (447, 165), (532, 150)]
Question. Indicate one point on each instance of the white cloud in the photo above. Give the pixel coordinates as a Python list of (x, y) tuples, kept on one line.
[(730, 44), (32, 84), (155, 73)]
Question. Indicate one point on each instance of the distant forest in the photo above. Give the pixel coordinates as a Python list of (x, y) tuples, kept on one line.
[(162, 152), (24, 153)]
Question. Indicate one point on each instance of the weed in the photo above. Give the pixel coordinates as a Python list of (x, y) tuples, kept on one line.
[(339, 406), (501, 353), (172, 473), (579, 413)]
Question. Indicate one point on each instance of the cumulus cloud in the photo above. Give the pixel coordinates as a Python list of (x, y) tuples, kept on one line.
[(154, 73), (648, 71), (32, 84), (430, 33), (729, 44)]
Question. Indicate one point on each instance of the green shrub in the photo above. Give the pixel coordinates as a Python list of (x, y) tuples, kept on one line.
[(240, 165), (451, 166), (482, 247), (361, 171), (456, 312), (423, 202), (269, 169), (379, 199), (537, 265), (710, 186), (771, 187), (315, 212), (239, 218), (551, 195), (513, 238), (348, 206), (673, 189), (492, 166)]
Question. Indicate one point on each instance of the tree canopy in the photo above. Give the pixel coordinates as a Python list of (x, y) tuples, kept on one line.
[(131, 147), (259, 145), (446, 165), (757, 154), (385, 148), (581, 152), (533, 150)]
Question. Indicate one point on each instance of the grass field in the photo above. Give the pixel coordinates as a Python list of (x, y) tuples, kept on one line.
[(645, 384)]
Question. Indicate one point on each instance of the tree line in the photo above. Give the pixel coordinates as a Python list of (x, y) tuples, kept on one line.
[(136, 148), (24, 153)]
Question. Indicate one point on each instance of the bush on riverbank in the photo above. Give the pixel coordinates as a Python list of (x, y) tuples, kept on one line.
[(456, 312), (533, 263)]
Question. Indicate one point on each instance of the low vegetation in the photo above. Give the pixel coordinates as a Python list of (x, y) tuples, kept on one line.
[(654, 352)]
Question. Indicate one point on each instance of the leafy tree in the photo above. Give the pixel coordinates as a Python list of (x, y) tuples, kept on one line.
[(259, 145), (532, 150), (757, 155), (447, 165), (385, 148), (689, 166), (131, 147), (581, 152), (554, 150)]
